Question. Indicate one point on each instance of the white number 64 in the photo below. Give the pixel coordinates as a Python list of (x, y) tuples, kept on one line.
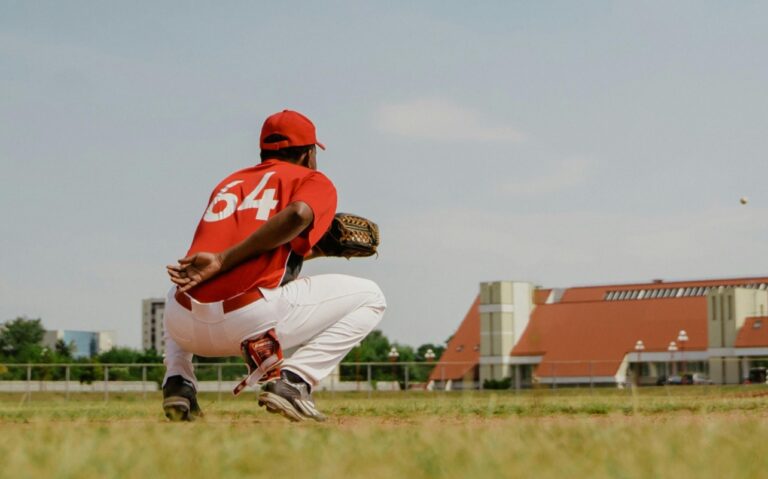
[(263, 205)]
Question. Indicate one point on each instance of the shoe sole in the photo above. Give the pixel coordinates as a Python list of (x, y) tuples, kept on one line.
[(307, 409), (177, 408), (278, 405)]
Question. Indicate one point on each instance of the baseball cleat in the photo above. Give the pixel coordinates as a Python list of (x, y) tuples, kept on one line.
[(180, 400), (290, 396)]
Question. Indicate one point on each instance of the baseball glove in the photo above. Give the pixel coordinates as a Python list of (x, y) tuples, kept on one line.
[(349, 236)]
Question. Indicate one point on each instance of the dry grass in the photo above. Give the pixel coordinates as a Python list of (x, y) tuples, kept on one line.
[(675, 432)]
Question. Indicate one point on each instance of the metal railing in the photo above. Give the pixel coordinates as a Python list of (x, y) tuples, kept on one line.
[(220, 378)]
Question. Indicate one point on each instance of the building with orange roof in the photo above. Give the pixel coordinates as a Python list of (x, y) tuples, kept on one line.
[(459, 360), (610, 333)]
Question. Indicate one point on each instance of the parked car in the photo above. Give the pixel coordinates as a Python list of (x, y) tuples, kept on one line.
[(684, 379), (757, 375), (679, 379), (700, 378)]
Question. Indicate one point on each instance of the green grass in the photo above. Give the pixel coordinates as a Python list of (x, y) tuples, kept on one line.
[(659, 432)]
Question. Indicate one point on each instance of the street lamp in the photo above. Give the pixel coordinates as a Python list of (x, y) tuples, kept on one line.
[(672, 348), (429, 355), (639, 347), (682, 338), (393, 355)]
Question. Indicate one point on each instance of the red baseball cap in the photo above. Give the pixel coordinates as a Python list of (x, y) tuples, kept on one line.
[(297, 128)]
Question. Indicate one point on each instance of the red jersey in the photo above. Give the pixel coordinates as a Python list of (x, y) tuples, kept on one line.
[(241, 204)]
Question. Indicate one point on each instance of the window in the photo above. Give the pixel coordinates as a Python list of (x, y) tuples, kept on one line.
[(722, 309), (757, 324), (730, 307)]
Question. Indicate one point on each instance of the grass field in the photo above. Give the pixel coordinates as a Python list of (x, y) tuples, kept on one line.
[(675, 432)]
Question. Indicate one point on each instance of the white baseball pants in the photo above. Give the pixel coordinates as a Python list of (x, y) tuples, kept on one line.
[(322, 316)]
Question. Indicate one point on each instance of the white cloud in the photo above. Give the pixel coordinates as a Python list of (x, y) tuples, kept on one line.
[(564, 175), (435, 119)]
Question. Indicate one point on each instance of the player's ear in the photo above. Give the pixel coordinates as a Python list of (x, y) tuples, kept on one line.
[(305, 159), (312, 158)]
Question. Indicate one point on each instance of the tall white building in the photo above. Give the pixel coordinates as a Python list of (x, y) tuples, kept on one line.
[(152, 312)]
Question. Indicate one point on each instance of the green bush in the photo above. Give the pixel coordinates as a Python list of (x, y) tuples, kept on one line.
[(505, 383)]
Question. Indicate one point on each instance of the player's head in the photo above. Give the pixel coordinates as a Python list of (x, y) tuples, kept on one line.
[(289, 136)]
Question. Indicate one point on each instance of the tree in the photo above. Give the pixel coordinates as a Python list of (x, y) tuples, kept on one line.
[(64, 350), (122, 355), (150, 356), (374, 347), (20, 338)]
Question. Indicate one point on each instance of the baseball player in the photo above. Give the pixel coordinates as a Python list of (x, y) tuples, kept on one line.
[(238, 290)]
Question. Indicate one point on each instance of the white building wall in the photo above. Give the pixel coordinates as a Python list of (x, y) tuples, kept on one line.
[(50, 337), (505, 309), (522, 298), (727, 310), (106, 341)]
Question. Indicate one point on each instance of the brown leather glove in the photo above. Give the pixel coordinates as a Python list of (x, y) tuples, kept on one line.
[(349, 236)]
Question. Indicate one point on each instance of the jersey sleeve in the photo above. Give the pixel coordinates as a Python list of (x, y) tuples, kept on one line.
[(317, 191)]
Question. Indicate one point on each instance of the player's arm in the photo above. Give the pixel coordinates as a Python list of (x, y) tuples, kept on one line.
[(278, 230)]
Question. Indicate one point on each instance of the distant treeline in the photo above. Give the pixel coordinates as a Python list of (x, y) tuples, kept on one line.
[(21, 343)]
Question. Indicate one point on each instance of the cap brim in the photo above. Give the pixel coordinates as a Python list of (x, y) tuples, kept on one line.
[(322, 147)]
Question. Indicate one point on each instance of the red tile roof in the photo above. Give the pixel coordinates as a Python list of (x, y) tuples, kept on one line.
[(585, 335), (570, 336), (597, 293), (540, 296), (754, 333), (464, 347)]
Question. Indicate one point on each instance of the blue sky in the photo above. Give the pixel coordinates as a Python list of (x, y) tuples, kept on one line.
[(562, 143)]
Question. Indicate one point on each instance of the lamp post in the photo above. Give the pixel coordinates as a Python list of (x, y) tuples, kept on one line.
[(639, 348), (682, 338), (429, 355), (672, 348), (393, 355)]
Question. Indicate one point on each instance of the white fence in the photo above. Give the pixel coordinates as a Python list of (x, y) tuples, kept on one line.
[(382, 376), (36, 378)]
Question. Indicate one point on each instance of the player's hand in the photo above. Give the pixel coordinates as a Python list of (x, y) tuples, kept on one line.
[(194, 269)]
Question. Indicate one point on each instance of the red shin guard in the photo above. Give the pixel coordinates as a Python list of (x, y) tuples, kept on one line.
[(263, 356)]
